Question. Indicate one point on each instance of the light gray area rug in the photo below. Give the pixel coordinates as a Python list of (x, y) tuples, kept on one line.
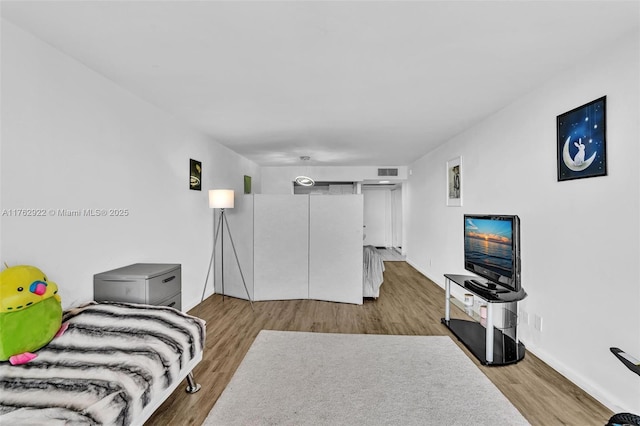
[(298, 378)]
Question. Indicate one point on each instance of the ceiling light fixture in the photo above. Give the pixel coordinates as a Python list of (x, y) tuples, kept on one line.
[(304, 180)]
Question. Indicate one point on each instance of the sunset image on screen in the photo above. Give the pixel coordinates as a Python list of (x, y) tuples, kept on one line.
[(489, 230)]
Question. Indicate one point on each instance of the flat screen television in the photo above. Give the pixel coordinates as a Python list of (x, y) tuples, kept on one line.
[(492, 249)]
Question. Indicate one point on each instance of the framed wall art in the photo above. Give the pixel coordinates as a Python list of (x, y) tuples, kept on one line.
[(581, 141), (247, 184), (454, 182), (195, 175)]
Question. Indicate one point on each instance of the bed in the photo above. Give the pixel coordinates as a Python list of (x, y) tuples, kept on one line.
[(372, 272), (115, 364)]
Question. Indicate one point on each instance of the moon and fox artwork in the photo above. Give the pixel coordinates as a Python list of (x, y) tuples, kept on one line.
[(582, 141)]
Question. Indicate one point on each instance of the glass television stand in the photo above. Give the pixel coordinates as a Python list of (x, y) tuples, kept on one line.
[(494, 341)]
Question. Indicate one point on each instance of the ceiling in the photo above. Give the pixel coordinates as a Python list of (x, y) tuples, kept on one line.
[(347, 83)]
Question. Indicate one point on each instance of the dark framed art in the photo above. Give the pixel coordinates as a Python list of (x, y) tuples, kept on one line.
[(581, 141), (195, 174), (247, 184)]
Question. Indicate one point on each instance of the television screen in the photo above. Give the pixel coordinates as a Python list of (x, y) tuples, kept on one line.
[(492, 248)]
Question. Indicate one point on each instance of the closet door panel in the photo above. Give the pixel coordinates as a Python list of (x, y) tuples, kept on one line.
[(335, 248), (281, 247)]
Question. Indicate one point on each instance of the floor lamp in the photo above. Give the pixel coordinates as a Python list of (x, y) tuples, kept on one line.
[(222, 199)]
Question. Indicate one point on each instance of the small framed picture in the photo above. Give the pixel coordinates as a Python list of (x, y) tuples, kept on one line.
[(454, 182), (195, 174), (581, 141), (247, 184)]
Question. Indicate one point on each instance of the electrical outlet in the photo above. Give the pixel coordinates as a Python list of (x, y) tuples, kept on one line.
[(538, 324), (524, 317)]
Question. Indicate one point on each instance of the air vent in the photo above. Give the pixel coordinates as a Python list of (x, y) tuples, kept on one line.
[(387, 172)]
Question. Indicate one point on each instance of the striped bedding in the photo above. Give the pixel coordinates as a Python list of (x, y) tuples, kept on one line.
[(114, 360)]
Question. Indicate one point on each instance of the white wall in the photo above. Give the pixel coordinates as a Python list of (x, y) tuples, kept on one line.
[(580, 238), (71, 139)]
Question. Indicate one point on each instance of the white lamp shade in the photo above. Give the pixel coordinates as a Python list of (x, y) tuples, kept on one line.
[(221, 198)]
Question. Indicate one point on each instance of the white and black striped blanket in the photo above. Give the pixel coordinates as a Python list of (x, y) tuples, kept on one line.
[(372, 272), (114, 360)]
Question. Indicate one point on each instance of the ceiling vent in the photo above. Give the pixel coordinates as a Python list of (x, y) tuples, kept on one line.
[(387, 172)]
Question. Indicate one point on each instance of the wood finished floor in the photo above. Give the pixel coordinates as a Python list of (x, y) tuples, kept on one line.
[(409, 304)]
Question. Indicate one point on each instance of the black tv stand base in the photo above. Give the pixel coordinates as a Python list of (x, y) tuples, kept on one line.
[(472, 335), (492, 341)]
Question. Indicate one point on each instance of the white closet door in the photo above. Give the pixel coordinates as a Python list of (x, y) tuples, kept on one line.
[(281, 247), (335, 248), (377, 216), (396, 218)]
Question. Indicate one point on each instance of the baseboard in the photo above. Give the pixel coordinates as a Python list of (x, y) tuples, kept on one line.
[(603, 397)]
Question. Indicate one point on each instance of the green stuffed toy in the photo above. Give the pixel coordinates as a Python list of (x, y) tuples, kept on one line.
[(30, 313)]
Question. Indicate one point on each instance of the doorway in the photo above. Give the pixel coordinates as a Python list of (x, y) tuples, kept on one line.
[(383, 216)]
